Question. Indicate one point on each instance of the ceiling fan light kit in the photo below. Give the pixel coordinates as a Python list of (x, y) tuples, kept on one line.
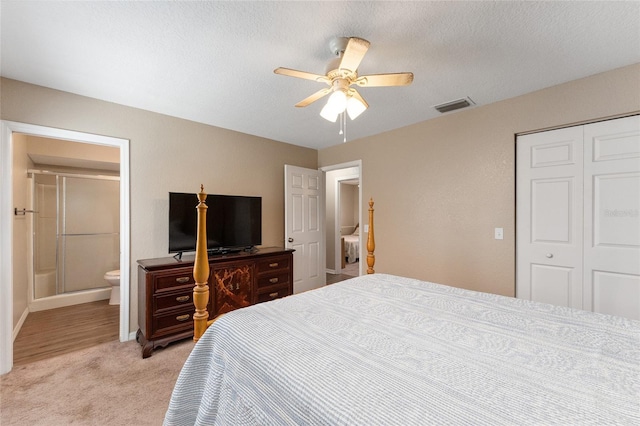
[(341, 74), (355, 108), (335, 105), (339, 102)]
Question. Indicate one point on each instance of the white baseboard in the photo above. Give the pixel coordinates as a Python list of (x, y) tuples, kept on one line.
[(21, 321), (330, 271)]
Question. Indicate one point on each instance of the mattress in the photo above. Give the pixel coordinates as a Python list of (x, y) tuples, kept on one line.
[(387, 350)]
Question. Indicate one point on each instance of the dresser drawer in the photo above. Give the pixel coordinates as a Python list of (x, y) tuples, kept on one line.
[(177, 278), (173, 322), (272, 264), (274, 278), (163, 301), (273, 294)]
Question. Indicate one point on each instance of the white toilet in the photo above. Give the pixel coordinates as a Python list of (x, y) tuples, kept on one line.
[(113, 278)]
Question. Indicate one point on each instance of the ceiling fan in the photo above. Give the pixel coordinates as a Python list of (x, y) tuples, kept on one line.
[(341, 74)]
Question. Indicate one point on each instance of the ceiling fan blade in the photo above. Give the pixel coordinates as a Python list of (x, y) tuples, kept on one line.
[(377, 80), (314, 97), (301, 74), (353, 54)]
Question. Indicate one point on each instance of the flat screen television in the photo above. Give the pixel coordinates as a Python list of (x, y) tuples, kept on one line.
[(234, 222)]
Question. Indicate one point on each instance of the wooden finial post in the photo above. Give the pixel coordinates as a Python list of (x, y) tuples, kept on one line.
[(201, 270), (371, 244)]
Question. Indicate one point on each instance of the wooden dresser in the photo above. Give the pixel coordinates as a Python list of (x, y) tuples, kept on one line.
[(165, 290)]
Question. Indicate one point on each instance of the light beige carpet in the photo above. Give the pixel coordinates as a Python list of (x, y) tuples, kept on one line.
[(108, 384)]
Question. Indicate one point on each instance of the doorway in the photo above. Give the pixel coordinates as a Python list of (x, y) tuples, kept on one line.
[(11, 317), (335, 176)]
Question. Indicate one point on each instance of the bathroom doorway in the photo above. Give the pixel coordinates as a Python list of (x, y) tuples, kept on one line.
[(73, 220), (15, 266)]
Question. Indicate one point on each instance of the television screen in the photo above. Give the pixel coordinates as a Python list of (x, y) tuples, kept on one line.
[(233, 222)]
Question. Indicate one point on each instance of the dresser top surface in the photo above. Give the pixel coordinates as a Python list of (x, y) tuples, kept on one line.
[(188, 260)]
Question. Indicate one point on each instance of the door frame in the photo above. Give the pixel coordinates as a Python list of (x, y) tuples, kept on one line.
[(7, 128), (336, 242)]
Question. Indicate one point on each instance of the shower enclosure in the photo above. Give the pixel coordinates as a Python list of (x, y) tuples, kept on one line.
[(76, 236)]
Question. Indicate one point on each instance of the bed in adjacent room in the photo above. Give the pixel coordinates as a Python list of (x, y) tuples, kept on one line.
[(351, 246), (387, 350)]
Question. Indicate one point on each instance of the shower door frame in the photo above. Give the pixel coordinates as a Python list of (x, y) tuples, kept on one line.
[(76, 297), (7, 128)]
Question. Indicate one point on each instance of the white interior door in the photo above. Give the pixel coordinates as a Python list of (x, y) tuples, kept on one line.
[(304, 226), (612, 239), (549, 217)]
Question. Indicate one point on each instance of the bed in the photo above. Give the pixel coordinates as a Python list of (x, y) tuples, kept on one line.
[(351, 246), (387, 350)]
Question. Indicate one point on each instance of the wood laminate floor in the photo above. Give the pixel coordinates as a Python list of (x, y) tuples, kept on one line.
[(46, 334)]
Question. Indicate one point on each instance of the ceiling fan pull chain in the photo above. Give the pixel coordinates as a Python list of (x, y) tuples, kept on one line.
[(344, 125)]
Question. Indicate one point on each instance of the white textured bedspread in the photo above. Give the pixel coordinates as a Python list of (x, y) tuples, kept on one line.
[(385, 350), (352, 247)]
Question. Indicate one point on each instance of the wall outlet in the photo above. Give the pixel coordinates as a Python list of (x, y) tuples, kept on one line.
[(498, 234)]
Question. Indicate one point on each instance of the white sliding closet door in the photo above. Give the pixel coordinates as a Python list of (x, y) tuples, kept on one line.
[(549, 217), (578, 217), (612, 216)]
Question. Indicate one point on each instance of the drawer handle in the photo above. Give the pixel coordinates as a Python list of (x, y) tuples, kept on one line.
[(273, 265), (274, 294), (183, 317), (183, 298), (182, 280), (273, 280)]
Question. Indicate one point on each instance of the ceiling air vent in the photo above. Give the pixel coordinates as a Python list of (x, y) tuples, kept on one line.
[(453, 105)]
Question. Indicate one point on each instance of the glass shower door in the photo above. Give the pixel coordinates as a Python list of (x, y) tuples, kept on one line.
[(88, 240)]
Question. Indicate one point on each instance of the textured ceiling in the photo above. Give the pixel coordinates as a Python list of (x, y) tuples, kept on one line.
[(213, 62)]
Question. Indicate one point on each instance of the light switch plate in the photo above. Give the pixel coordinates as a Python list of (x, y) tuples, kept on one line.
[(498, 234)]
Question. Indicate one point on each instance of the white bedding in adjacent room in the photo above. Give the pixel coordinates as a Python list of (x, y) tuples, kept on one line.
[(386, 350), (351, 248)]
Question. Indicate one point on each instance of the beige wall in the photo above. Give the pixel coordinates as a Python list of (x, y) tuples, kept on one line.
[(75, 154), (166, 154), (442, 186), (348, 207)]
